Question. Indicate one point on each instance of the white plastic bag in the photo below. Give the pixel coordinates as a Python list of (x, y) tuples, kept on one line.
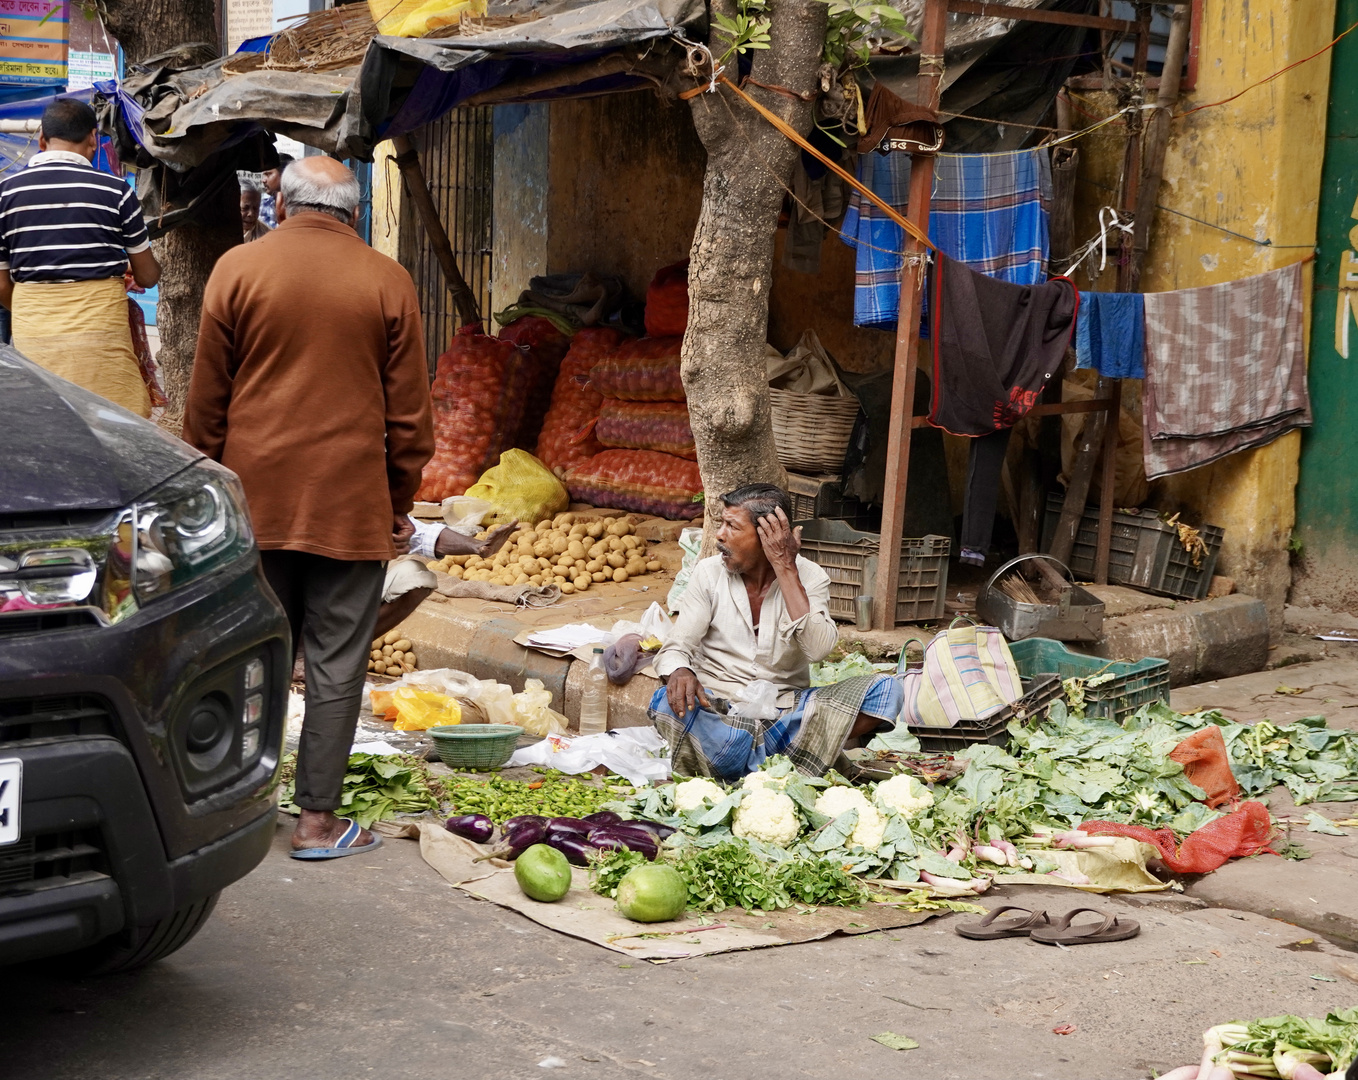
[(466, 516), (691, 540), (638, 753), (758, 701), (655, 623), (533, 710)]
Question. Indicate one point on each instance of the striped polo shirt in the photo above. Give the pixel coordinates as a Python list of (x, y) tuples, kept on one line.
[(62, 220)]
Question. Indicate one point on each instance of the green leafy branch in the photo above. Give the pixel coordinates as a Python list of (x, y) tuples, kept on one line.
[(748, 30), (851, 27)]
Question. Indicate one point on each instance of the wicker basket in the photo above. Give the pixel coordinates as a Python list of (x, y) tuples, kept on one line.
[(812, 430), (475, 746)]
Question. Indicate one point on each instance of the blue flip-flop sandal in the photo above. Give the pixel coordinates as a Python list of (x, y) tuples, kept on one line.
[(343, 846)]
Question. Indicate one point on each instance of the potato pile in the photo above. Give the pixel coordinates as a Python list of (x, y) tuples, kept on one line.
[(571, 554), (392, 655)]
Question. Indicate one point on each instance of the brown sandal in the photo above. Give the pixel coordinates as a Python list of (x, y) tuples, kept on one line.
[(989, 929), (1110, 929)]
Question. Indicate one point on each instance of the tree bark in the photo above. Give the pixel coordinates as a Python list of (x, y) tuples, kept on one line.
[(748, 167), (188, 253)]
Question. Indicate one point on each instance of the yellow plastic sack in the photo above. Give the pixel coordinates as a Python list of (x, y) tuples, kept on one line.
[(534, 713), (417, 710), (415, 18), (521, 488)]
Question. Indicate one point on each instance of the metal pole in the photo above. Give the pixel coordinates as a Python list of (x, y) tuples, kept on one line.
[(929, 92)]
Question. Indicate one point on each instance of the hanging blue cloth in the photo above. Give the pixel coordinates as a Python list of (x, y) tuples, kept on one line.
[(1110, 334)]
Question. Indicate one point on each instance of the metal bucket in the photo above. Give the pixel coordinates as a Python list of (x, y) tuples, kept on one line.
[(1077, 615)]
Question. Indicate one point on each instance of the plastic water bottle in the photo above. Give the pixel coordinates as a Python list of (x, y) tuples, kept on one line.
[(594, 701)]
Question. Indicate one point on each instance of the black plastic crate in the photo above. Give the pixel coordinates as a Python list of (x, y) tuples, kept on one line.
[(1038, 693), (850, 558)]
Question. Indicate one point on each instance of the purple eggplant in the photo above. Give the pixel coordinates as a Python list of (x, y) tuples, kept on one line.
[(661, 832), (603, 817), (616, 838), (567, 826), (476, 827), (518, 834), (515, 822), (577, 849)]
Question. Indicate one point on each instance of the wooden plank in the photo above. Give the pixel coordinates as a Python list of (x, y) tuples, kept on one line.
[(1061, 18), (929, 89)]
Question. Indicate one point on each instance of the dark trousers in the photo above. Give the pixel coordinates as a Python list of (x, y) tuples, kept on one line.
[(332, 607), (985, 463)]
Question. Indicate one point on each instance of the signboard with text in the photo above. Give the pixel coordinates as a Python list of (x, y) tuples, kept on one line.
[(33, 41), (246, 19), (87, 68)]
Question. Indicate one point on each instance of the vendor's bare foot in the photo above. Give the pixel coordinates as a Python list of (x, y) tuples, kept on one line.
[(495, 539), (322, 829)]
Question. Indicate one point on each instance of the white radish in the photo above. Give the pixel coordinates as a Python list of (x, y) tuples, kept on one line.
[(990, 854)]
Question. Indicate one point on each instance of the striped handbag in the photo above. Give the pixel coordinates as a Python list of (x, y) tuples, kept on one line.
[(968, 674)]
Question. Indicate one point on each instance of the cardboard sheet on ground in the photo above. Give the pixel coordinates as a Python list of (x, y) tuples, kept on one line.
[(584, 914)]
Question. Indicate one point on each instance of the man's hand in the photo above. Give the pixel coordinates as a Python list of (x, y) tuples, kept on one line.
[(780, 540), (684, 691), (402, 530)]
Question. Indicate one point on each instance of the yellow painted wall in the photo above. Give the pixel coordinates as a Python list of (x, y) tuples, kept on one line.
[(1252, 166)]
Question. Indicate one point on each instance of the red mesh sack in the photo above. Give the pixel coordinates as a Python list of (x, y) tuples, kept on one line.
[(642, 369), (641, 480), (567, 436), (542, 346), (646, 425), (475, 404), (1207, 764), (667, 302), (1235, 836)]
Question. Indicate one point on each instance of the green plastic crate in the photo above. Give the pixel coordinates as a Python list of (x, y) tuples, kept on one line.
[(1133, 684)]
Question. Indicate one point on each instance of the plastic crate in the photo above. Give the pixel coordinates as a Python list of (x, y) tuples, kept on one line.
[(1038, 692), (850, 558), (1133, 684), (1143, 551), (821, 497)]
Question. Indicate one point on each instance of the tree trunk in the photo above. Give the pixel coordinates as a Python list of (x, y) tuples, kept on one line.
[(748, 168), (188, 253)]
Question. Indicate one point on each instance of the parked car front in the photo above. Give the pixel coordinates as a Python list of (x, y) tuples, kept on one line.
[(144, 669)]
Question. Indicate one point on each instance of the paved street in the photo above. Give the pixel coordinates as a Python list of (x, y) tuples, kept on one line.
[(373, 966)]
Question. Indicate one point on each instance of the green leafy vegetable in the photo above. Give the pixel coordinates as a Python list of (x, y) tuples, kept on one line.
[(376, 787)]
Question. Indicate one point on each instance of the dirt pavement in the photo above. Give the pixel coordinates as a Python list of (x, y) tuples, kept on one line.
[(372, 966)]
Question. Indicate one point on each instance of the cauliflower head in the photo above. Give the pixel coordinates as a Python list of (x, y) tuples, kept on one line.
[(690, 794), (867, 834), (904, 794), (759, 781), (767, 815)]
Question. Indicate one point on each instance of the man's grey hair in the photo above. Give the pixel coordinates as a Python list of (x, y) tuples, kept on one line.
[(759, 500), (302, 191), (249, 183)]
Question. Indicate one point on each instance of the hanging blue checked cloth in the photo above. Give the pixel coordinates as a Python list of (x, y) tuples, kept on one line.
[(1110, 334), (988, 211)]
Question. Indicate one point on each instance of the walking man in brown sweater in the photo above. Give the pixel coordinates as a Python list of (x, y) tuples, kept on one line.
[(310, 383)]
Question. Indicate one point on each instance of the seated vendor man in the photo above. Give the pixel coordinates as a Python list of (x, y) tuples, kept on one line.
[(758, 610)]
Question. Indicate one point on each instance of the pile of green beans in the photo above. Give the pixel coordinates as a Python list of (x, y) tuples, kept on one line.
[(552, 795)]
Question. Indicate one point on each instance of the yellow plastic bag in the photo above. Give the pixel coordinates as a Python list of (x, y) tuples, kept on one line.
[(533, 710), (415, 18), (521, 488), (417, 710)]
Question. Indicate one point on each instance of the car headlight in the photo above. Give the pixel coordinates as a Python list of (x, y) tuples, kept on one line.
[(191, 525)]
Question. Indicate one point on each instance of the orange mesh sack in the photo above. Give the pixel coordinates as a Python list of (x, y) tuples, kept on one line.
[(474, 406), (1207, 764), (667, 302), (541, 348), (1235, 836), (567, 430), (646, 425), (643, 369), (640, 480)]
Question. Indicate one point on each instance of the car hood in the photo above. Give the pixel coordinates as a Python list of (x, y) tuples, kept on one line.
[(64, 448)]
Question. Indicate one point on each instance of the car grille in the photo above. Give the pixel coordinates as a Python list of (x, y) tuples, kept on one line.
[(37, 621), (51, 859), (52, 717)]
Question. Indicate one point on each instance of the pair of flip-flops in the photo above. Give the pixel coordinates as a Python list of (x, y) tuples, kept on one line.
[(1039, 926), (347, 844)]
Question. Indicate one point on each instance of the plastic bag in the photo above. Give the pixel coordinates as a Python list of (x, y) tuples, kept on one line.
[(667, 301), (465, 515), (415, 18), (533, 710), (521, 488), (418, 710), (641, 480), (691, 540), (646, 425), (638, 753), (567, 431), (758, 701), (655, 623)]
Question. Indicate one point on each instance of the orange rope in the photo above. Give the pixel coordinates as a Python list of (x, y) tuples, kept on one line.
[(1261, 82), (909, 226)]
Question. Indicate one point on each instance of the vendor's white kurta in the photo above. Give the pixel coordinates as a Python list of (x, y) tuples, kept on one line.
[(714, 634)]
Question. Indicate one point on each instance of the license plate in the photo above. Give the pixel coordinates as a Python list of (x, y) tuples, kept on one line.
[(11, 785)]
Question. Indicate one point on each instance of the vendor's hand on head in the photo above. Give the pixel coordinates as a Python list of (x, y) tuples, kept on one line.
[(684, 692), (780, 540), (402, 530)]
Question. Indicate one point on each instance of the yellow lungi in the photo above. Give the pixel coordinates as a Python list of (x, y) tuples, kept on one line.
[(78, 330)]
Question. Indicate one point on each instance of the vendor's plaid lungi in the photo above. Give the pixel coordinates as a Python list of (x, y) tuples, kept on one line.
[(811, 733)]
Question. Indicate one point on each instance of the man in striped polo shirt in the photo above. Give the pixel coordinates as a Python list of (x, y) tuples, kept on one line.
[(67, 235)]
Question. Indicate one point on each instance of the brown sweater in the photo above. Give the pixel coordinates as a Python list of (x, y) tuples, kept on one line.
[(310, 384)]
